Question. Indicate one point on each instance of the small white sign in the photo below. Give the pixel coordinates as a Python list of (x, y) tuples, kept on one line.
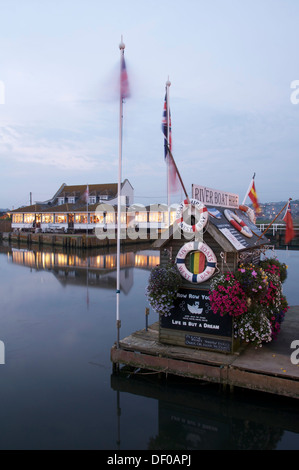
[(214, 197)]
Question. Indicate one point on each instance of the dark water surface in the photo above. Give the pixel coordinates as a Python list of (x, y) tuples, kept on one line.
[(57, 322)]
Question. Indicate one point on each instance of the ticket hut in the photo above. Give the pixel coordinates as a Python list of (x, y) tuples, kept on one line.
[(229, 236)]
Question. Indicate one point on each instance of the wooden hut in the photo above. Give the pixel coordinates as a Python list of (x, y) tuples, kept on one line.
[(228, 237)]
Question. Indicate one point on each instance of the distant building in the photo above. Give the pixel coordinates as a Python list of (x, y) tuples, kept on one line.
[(73, 207)]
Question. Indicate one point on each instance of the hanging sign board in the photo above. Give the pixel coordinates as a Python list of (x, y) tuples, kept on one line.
[(192, 312), (192, 323), (214, 197)]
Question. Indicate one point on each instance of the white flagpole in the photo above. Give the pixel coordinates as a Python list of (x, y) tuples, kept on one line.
[(87, 196), (168, 83), (118, 322), (248, 189)]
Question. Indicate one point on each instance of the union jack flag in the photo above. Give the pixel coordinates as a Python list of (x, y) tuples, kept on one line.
[(174, 184), (165, 126), (124, 82)]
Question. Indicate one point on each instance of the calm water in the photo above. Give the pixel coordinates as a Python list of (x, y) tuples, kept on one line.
[(57, 391)]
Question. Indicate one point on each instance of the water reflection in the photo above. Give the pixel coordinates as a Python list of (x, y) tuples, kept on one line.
[(95, 268), (200, 416), (57, 391)]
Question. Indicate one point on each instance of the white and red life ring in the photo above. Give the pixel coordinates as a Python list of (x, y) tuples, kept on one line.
[(248, 211), (201, 212), (211, 262), (238, 223)]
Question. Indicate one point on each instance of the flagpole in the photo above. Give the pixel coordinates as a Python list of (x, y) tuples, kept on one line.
[(273, 220), (248, 189), (87, 196), (178, 173), (118, 322), (168, 83)]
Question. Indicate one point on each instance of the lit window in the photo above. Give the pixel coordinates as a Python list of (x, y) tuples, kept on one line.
[(81, 218), (17, 218), (29, 218), (60, 219), (47, 218)]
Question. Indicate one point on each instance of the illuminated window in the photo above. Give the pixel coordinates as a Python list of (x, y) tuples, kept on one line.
[(81, 218), (141, 216), (60, 219), (96, 218), (156, 217), (123, 217), (29, 218), (17, 218), (172, 217), (109, 219), (47, 218)]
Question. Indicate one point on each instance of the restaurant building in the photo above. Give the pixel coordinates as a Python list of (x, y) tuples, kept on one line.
[(75, 208)]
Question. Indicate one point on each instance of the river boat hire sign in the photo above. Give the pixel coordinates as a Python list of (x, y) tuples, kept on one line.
[(215, 197)]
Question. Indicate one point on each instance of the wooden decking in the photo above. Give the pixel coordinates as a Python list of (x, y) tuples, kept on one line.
[(267, 369)]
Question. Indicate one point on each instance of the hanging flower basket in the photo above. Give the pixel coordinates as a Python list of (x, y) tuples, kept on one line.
[(163, 285), (253, 297), (253, 280), (253, 327)]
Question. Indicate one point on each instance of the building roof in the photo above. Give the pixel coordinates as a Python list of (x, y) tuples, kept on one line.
[(32, 208), (109, 190)]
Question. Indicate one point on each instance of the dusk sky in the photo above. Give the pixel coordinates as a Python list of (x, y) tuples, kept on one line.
[(231, 64)]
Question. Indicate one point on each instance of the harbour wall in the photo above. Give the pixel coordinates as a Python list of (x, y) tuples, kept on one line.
[(81, 241)]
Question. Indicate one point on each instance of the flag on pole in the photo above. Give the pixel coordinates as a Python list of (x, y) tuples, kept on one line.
[(86, 194), (124, 82), (253, 196), (287, 218), (166, 129), (251, 192)]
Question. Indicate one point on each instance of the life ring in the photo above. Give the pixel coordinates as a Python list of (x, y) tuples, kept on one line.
[(210, 264), (238, 223), (201, 210), (249, 212)]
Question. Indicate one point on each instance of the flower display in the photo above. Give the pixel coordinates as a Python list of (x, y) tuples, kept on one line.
[(227, 296), (274, 302), (162, 288), (274, 266), (253, 280), (253, 327), (253, 297)]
